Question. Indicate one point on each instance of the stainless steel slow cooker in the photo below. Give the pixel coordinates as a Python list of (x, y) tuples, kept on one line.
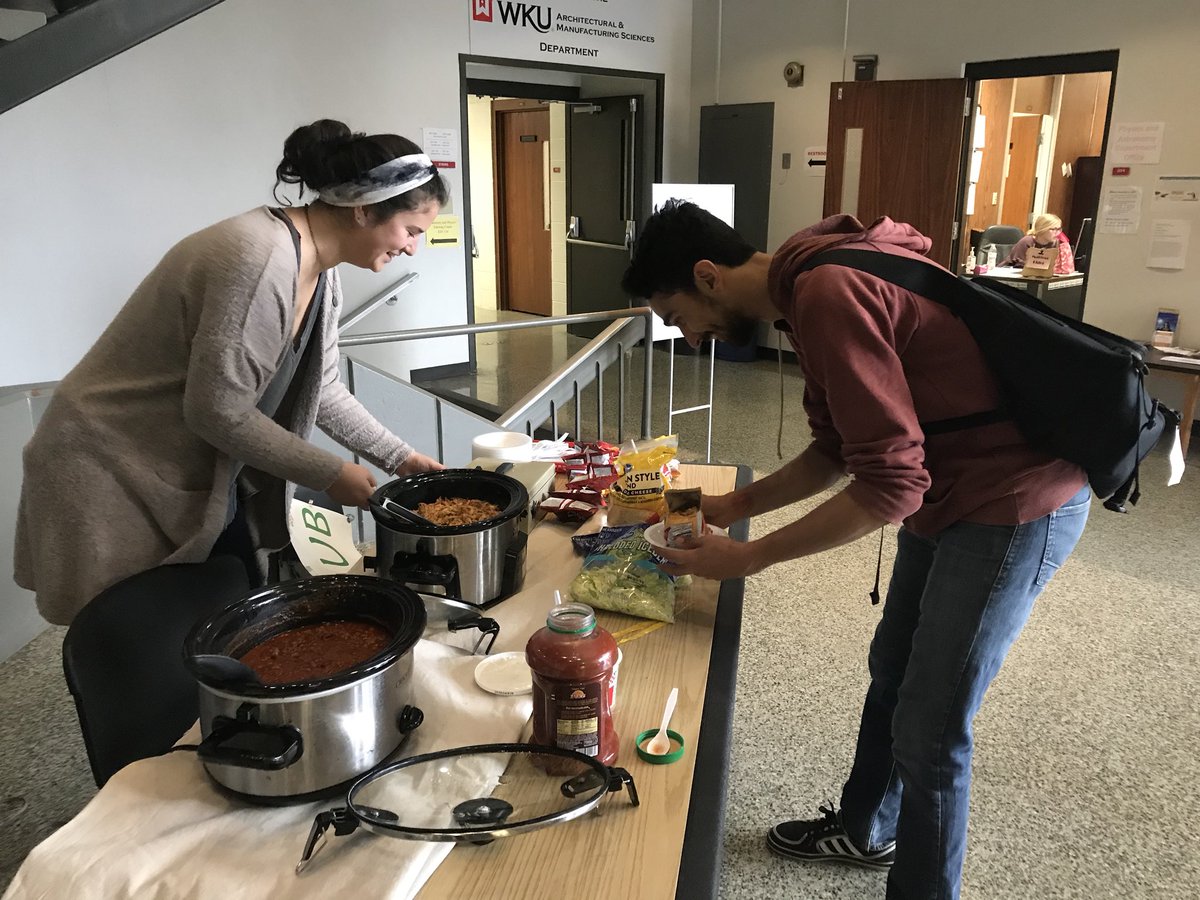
[(299, 741), (480, 563)]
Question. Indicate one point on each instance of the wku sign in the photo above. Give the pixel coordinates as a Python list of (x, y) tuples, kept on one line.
[(524, 15), (595, 32)]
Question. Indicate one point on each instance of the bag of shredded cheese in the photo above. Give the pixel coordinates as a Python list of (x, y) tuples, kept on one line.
[(637, 494)]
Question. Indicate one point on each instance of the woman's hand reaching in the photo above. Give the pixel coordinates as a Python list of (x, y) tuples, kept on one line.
[(418, 462), (353, 486)]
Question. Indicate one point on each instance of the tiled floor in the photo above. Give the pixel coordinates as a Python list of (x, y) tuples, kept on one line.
[(1086, 776)]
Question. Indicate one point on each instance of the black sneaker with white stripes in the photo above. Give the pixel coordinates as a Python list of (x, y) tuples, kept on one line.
[(825, 839)]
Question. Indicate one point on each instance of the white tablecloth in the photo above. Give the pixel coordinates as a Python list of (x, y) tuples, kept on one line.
[(160, 829)]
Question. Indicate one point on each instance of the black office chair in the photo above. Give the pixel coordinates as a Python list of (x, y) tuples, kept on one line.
[(1003, 237), (123, 659)]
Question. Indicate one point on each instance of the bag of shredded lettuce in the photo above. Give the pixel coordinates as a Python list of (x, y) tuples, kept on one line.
[(637, 494), (620, 574)]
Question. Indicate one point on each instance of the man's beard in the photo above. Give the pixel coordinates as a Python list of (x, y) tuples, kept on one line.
[(739, 330)]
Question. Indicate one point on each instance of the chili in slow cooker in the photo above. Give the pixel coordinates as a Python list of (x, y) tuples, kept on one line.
[(316, 651)]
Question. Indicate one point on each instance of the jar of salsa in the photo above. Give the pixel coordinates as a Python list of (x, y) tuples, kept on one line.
[(572, 659)]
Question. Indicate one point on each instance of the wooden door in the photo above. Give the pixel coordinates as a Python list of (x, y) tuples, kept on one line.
[(894, 149), (1022, 171), (523, 206)]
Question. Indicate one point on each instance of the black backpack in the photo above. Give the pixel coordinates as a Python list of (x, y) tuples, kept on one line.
[(1074, 390)]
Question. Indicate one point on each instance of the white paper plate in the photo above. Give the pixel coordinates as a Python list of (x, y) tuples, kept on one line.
[(506, 674), (656, 536)]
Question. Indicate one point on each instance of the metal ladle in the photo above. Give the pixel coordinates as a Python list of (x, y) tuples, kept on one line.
[(224, 669)]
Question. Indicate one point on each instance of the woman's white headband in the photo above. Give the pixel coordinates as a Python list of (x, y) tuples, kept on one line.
[(385, 181)]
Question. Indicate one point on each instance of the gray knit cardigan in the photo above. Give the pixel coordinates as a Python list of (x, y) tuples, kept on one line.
[(131, 463)]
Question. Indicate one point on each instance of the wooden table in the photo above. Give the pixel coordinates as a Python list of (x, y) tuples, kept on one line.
[(1189, 373), (159, 826), (671, 844)]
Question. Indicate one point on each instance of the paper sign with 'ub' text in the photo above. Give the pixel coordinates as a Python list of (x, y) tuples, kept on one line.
[(323, 539)]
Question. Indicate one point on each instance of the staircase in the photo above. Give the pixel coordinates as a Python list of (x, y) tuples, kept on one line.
[(46, 42)]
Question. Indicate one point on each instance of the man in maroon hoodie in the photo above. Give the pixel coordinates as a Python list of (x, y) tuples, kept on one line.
[(985, 519)]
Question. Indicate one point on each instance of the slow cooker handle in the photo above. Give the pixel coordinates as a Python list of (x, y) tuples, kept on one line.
[(514, 572), (419, 568), (489, 630), (250, 744)]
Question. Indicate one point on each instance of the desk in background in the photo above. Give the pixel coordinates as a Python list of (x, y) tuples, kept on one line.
[(1062, 293), (1189, 373)]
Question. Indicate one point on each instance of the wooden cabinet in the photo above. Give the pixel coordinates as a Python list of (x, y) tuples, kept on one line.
[(1033, 95)]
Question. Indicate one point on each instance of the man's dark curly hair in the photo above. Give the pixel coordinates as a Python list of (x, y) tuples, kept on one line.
[(673, 240)]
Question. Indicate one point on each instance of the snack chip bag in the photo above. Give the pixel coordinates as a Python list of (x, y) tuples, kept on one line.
[(637, 493), (621, 574)]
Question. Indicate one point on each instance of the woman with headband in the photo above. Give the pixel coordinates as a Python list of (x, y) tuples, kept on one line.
[(182, 432)]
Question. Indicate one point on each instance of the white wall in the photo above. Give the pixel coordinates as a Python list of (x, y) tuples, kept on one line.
[(1158, 79), (102, 174), (483, 207)]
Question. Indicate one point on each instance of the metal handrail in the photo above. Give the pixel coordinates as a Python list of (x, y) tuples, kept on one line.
[(386, 296), (622, 319)]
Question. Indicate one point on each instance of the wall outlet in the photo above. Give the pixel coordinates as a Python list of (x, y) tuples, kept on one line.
[(787, 160)]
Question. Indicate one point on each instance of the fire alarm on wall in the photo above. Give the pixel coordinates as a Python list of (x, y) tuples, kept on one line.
[(793, 74), (864, 68)]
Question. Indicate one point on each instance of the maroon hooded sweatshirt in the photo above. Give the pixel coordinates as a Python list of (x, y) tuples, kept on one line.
[(878, 360)]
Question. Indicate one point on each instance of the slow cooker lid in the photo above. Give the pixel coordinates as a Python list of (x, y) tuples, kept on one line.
[(474, 794)]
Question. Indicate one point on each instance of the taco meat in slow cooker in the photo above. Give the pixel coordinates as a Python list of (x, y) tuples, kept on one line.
[(458, 511)]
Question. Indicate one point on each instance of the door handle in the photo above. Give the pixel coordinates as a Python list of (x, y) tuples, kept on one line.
[(582, 243), (546, 184), (574, 238)]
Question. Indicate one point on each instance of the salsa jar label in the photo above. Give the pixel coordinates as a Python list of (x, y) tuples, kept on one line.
[(576, 716)]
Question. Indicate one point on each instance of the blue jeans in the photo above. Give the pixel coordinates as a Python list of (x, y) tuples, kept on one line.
[(955, 604)]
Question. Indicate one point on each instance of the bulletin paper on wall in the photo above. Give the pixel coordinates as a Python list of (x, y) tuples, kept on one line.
[(1181, 189), (443, 232), (1120, 211), (1168, 244), (441, 146), (1136, 143)]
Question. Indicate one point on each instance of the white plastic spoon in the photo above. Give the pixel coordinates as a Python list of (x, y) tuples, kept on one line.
[(660, 744)]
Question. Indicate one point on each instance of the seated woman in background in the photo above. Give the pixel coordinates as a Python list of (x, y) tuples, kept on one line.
[(1046, 232), (183, 430)]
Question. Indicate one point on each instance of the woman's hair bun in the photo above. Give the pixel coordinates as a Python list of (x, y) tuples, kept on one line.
[(310, 151), (327, 152)]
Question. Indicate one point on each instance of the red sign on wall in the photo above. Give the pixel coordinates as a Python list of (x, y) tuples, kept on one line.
[(1120, 170)]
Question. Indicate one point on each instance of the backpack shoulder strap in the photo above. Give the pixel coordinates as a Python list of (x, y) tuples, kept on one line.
[(928, 280)]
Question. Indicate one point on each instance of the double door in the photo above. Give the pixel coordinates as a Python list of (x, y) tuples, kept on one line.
[(604, 196)]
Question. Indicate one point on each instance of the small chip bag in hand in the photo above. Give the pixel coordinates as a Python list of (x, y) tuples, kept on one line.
[(620, 574), (637, 493)]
